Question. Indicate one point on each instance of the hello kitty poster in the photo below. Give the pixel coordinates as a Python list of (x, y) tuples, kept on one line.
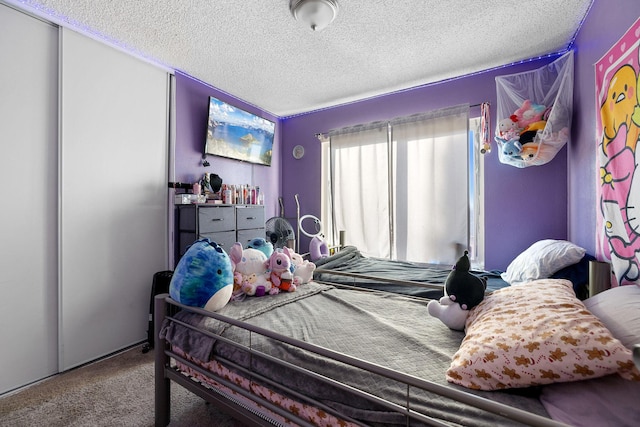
[(618, 127)]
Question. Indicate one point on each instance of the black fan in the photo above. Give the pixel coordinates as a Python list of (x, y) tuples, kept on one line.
[(278, 230)]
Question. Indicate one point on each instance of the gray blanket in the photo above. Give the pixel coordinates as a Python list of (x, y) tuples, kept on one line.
[(351, 260), (386, 329)]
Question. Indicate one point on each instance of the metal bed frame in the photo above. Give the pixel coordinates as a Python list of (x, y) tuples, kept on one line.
[(166, 372)]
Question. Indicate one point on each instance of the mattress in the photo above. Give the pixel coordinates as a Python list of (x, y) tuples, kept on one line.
[(389, 330)]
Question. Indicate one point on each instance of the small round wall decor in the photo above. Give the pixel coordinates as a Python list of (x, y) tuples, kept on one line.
[(298, 151)]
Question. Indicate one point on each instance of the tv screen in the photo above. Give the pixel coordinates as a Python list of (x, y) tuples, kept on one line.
[(238, 134)]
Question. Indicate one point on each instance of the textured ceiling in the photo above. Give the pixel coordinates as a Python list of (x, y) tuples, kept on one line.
[(256, 51)]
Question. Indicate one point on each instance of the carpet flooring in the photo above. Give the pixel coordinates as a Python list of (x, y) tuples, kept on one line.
[(116, 391)]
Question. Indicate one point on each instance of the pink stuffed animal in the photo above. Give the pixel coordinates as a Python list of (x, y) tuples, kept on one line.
[(279, 265), (528, 113)]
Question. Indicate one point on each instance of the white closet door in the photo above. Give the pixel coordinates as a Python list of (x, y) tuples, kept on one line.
[(113, 193), (28, 217)]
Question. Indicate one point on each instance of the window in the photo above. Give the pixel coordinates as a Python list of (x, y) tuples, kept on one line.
[(405, 189)]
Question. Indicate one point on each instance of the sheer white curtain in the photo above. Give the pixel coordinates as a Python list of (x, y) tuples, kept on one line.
[(431, 181), (400, 188), (360, 181)]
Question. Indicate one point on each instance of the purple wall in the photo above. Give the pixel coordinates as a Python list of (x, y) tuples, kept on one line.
[(604, 25), (522, 205), (192, 104)]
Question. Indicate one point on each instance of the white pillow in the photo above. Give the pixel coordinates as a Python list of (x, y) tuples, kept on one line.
[(541, 260), (618, 308)]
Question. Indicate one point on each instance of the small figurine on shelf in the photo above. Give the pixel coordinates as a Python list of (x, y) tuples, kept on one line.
[(206, 183)]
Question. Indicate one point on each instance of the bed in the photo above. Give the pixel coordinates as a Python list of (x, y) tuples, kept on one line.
[(328, 355), (348, 266), (557, 259)]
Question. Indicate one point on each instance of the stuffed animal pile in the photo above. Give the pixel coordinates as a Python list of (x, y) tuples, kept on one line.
[(462, 292), (516, 134), (207, 277), (256, 274)]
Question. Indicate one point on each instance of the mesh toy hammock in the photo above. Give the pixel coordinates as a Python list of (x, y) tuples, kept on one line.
[(534, 113)]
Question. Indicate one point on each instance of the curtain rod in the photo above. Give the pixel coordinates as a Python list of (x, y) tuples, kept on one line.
[(321, 135)]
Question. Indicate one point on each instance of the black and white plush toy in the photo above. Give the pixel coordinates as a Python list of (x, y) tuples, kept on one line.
[(462, 292)]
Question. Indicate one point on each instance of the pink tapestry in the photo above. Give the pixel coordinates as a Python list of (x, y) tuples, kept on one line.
[(618, 126)]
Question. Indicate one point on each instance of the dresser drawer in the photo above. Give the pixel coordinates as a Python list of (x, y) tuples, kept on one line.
[(186, 217), (247, 235), (224, 239), (185, 240), (216, 218), (250, 217)]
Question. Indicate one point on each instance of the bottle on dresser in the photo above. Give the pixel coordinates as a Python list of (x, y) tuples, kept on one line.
[(243, 194)]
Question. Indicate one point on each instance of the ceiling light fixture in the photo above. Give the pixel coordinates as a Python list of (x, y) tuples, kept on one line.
[(317, 14)]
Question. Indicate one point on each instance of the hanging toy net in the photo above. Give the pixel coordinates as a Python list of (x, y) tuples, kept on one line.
[(534, 113)]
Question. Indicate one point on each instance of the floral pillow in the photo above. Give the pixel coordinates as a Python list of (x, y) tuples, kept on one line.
[(523, 336)]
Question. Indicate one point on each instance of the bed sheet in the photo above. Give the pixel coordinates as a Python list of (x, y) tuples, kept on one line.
[(389, 330), (350, 259)]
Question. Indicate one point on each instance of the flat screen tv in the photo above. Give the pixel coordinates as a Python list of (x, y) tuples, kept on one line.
[(238, 134)]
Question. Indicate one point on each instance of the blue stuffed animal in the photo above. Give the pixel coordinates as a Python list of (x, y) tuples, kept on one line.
[(262, 245), (511, 147), (203, 277)]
